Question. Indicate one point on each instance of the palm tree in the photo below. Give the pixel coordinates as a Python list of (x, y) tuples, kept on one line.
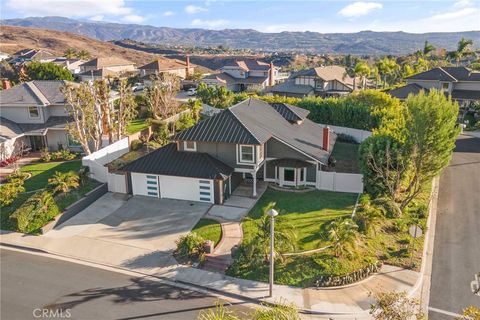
[(343, 235), (368, 215), (284, 234), (387, 67), (463, 50), (428, 48), (83, 54), (70, 53), (363, 70), (64, 181)]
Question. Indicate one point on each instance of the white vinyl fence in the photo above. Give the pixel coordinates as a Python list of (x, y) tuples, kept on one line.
[(341, 182), (357, 134), (97, 160)]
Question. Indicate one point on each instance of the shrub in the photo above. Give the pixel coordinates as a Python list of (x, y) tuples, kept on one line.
[(64, 181), (83, 174), (281, 310), (136, 144), (9, 191), (190, 246), (186, 121), (35, 212), (17, 175), (45, 155)]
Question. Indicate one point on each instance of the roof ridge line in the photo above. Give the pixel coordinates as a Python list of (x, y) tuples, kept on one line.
[(243, 125), (31, 85), (448, 73)]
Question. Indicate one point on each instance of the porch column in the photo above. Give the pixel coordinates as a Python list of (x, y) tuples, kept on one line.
[(254, 174)]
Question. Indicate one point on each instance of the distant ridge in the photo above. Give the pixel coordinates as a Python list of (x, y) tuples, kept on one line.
[(361, 43)]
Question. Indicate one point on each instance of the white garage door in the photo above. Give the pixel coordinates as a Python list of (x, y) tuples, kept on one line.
[(172, 187)]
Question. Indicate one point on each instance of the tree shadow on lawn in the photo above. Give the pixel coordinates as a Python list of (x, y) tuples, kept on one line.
[(40, 176)]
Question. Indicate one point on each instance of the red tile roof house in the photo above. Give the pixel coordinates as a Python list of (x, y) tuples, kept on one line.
[(244, 75), (253, 139)]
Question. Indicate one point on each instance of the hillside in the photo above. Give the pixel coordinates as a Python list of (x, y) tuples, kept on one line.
[(56, 42), (361, 43)]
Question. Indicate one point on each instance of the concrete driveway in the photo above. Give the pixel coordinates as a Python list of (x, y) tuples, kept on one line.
[(139, 233)]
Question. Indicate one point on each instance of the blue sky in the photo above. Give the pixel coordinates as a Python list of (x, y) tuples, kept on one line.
[(266, 16)]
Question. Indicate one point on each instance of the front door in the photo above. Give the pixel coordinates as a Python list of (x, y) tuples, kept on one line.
[(37, 142)]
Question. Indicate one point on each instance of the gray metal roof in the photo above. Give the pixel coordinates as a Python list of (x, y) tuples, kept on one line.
[(439, 74), (222, 127), (9, 129), (168, 161), (289, 112), (466, 94), (403, 92), (55, 122), (37, 92)]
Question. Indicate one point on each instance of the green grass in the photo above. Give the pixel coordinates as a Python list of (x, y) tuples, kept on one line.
[(40, 172), (346, 155), (209, 229), (306, 212), (137, 125)]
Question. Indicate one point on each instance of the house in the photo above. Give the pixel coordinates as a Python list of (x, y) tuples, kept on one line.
[(33, 113), (244, 75), (174, 66), (461, 83), (321, 81), (72, 65), (105, 66), (26, 55), (99, 74), (250, 140)]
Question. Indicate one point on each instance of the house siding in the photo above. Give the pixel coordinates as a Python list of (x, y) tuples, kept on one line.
[(21, 114), (277, 149)]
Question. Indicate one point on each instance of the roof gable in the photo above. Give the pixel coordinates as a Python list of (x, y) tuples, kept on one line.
[(37, 92), (438, 74)]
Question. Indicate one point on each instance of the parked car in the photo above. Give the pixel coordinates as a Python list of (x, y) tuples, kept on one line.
[(191, 91), (138, 87)]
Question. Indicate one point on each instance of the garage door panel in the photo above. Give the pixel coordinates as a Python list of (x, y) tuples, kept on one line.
[(186, 188)]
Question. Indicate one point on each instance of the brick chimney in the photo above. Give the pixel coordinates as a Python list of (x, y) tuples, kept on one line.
[(187, 62), (326, 138), (271, 80), (6, 84)]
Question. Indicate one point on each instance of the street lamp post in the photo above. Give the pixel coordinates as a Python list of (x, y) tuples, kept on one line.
[(272, 213)]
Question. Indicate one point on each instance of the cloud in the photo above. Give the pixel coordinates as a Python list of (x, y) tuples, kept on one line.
[(95, 9), (191, 9), (462, 3), (358, 9), (133, 18), (213, 24), (168, 13), (454, 14), (97, 18)]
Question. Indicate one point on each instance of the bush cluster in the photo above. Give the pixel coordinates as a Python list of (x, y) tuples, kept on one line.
[(60, 155), (190, 246), (9, 191)]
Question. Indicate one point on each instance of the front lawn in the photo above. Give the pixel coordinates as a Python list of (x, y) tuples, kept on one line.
[(41, 172), (137, 125), (306, 212), (346, 155), (209, 229)]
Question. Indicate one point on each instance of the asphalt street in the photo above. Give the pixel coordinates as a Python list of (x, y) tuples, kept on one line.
[(36, 287), (456, 255)]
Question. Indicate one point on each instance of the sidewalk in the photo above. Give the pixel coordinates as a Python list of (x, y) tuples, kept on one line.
[(352, 300)]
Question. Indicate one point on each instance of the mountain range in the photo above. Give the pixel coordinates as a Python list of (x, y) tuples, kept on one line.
[(360, 43)]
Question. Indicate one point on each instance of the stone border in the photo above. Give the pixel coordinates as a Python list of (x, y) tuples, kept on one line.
[(350, 278), (76, 207), (274, 187)]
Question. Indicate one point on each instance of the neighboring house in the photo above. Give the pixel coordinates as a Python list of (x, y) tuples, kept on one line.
[(321, 81), (173, 66), (33, 113), (99, 74), (244, 75), (253, 139), (461, 83), (108, 65), (72, 65), (26, 55), (4, 56)]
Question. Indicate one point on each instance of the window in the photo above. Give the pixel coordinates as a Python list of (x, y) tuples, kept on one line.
[(189, 145), (289, 175), (445, 86), (246, 154), (302, 175), (33, 112), (71, 142)]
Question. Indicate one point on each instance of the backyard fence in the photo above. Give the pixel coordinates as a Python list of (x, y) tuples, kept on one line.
[(341, 182), (357, 134), (97, 161)]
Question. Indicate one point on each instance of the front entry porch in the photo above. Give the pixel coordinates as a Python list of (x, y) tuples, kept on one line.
[(289, 172)]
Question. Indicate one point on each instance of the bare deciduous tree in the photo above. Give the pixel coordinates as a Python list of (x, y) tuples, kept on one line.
[(161, 95), (126, 111)]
